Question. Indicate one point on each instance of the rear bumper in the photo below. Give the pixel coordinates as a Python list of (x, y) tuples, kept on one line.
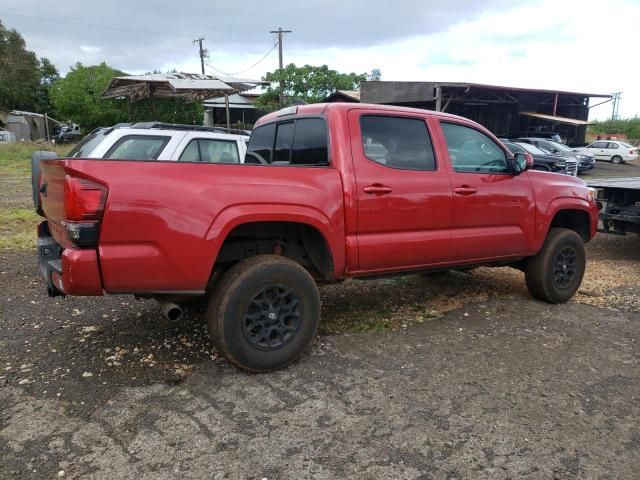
[(67, 271)]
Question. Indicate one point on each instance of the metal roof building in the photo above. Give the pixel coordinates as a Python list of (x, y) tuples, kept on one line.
[(507, 111)]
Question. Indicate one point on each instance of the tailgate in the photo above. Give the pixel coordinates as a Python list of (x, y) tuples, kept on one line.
[(52, 195)]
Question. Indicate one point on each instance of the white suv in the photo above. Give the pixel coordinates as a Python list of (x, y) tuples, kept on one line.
[(164, 141)]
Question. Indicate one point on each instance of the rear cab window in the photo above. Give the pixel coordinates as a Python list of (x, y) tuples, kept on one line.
[(298, 142), (138, 147)]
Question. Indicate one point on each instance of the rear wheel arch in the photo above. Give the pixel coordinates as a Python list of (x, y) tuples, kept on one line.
[(301, 242)]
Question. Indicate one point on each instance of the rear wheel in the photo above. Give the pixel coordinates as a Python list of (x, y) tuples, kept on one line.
[(555, 273), (264, 313), (616, 159)]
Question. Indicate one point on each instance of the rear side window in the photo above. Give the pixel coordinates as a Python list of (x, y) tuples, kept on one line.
[(137, 147), (207, 150), (300, 142), (397, 142)]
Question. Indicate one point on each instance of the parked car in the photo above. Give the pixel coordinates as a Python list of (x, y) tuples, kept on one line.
[(6, 136), (620, 204), (613, 151), (327, 192), (586, 161), (541, 159), (67, 134), (555, 136), (154, 141)]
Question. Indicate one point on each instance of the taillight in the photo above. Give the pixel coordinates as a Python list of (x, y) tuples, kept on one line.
[(84, 202), (84, 199)]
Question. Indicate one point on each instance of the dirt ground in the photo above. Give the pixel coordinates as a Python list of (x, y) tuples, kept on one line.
[(453, 376), (499, 387)]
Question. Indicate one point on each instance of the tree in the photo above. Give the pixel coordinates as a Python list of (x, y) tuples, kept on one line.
[(77, 96), (19, 72), (629, 126), (375, 75), (307, 83), (48, 76)]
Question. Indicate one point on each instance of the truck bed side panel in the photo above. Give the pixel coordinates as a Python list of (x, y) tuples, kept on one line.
[(161, 219)]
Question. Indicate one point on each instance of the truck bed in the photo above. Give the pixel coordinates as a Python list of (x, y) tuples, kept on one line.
[(620, 182)]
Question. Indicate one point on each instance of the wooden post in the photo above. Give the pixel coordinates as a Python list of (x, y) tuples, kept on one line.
[(438, 98), (226, 107), (555, 104), (46, 127)]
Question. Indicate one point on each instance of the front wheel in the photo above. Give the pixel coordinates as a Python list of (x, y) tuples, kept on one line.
[(264, 313), (555, 273)]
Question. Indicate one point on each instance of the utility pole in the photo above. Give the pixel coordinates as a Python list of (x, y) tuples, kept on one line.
[(203, 52), (280, 32), (616, 105)]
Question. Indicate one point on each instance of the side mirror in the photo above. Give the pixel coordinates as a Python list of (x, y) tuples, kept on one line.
[(522, 162)]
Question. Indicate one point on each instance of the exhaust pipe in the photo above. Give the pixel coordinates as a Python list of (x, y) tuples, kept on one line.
[(171, 311)]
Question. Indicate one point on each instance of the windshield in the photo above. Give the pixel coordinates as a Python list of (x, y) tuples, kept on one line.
[(560, 146), (514, 147), (532, 149)]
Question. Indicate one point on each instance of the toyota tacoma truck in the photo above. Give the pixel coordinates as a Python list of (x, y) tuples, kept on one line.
[(325, 192)]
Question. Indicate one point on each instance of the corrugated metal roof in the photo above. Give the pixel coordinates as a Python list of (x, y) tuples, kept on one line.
[(190, 86), (355, 94), (555, 118)]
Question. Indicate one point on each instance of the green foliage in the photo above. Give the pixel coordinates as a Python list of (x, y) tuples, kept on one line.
[(308, 83), (629, 126), (19, 72), (375, 75), (77, 97), (165, 110), (48, 76)]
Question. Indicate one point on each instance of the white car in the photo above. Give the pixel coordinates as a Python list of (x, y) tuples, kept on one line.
[(614, 151), (164, 142)]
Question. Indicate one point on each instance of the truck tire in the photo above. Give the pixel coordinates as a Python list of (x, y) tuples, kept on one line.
[(264, 313), (555, 273), (35, 177)]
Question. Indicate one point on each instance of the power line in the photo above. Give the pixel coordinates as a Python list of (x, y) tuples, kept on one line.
[(246, 69), (84, 22)]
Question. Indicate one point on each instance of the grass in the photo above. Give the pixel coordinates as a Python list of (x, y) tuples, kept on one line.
[(18, 228), (18, 221)]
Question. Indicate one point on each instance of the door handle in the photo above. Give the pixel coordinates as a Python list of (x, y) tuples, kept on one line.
[(377, 189), (464, 190)]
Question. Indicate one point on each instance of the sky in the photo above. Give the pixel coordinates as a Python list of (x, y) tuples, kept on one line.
[(583, 46)]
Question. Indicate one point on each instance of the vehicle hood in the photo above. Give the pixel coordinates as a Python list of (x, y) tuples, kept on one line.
[(562, 185)]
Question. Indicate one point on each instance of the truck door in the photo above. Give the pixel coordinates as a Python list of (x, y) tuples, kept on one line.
[(493, 210), (403, 192)]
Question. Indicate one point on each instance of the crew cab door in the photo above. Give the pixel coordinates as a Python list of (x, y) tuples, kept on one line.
[(403, 192), (493, 209)]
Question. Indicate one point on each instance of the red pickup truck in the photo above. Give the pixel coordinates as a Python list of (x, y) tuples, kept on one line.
[(326, 192)]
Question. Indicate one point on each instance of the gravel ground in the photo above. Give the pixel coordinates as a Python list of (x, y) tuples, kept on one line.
[(470, 379)]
